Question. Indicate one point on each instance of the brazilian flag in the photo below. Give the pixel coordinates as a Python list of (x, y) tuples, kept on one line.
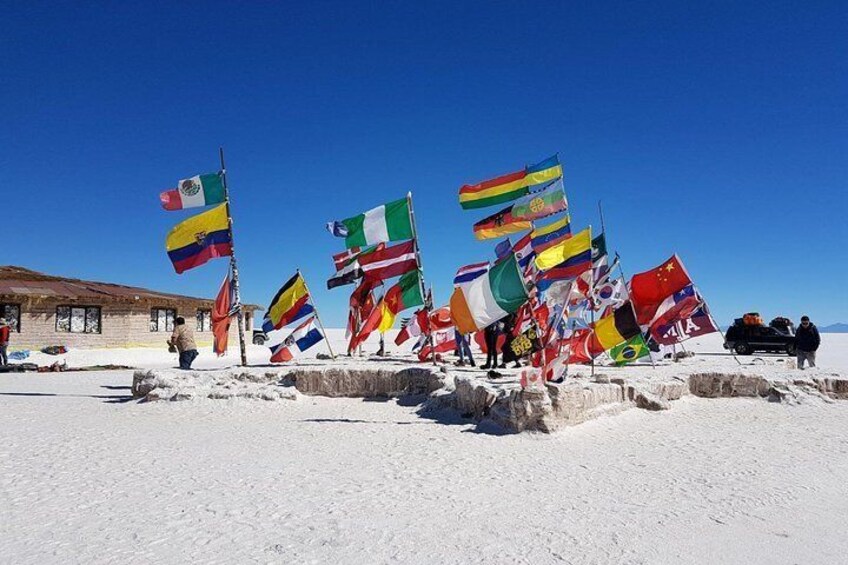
[(630, 350)]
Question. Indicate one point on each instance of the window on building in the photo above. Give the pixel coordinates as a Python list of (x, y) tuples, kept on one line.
[(162, 319), (204, 320), (78, 319), (12, 313)]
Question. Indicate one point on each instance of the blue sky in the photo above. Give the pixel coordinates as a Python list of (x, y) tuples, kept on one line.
[(719, 132)]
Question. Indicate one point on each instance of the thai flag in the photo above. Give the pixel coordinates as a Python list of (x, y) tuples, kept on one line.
[(302, 338), (470, 272), (523, 250)]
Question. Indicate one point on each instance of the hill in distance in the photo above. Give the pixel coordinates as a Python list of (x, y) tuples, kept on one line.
[(838, 328)]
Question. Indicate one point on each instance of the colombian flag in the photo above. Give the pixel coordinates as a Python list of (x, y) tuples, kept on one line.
[(200, 238), (508, 187), (289, 304)]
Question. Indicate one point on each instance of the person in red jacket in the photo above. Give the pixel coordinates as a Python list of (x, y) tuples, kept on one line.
[(4, 341)]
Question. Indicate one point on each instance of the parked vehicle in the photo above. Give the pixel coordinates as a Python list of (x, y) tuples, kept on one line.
[(745, 337), (259, 337)]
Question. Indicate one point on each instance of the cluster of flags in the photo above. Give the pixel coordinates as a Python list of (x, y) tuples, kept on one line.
[(560, 285), (202, 237), (292, 303), (381, 245), (565, 302)]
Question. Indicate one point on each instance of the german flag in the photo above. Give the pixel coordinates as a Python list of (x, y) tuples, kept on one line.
[(500, 224)]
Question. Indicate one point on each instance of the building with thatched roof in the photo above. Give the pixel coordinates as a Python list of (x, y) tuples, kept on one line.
[(45, 310)]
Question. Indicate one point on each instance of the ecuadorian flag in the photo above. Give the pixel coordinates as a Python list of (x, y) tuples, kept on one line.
[(200, 238), (508, 187)]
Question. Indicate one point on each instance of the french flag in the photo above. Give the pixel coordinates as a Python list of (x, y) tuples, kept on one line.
[(302, 338), (470, 272)]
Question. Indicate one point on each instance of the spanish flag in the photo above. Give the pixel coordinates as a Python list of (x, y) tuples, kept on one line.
[(507, 188), (200, 238)]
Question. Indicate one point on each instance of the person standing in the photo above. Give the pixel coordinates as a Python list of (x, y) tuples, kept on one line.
[(490, 334), (183, 340), (807, 341), (463, 348), (5, 331)]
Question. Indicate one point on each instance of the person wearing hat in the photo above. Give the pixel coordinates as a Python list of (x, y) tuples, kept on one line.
[(5, 330), (807, 341)]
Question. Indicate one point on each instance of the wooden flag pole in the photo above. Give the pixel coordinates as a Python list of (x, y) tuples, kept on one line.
[(428, 304), (233, 263), (317, 317)]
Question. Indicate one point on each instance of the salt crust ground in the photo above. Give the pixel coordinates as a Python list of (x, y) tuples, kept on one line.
[(87, 477)]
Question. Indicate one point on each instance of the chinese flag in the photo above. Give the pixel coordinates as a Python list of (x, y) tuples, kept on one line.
[(650, 288)]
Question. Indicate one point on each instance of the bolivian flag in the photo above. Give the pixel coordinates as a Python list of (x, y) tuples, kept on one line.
[(200, 238), (507, 188)]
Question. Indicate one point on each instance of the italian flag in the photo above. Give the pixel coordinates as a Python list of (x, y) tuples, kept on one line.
[(487, 299), (200, 190), (389, 222)]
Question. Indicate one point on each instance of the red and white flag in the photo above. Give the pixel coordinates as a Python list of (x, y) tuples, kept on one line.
[(443, 341), (389, 262)]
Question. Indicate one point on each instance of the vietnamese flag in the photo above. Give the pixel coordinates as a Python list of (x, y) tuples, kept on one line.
[(649, 289)]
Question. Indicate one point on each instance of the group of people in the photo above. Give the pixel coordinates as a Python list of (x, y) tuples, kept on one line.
[(491, 334)]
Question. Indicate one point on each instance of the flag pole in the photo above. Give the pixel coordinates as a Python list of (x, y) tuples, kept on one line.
[(428, 304), (233, 263), (317, 317), (623, 280)]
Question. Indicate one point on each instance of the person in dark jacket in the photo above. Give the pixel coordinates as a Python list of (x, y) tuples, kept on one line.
[(491, 333), (807, 341)]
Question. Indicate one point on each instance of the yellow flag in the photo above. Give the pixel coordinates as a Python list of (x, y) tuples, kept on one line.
[(572, 248)]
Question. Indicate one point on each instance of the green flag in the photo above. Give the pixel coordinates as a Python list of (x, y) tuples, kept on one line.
[(630, 350), (389, 222)]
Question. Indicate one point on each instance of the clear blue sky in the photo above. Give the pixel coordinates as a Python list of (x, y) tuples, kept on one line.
[(716, 131)]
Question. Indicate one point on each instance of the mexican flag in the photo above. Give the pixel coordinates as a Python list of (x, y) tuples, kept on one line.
[(389, 222), (405, 294), (486, 299), (200, 190)]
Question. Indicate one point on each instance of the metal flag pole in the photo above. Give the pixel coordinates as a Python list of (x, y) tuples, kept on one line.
[(624, 281), (233, 263), (317, 317), (428, 304)]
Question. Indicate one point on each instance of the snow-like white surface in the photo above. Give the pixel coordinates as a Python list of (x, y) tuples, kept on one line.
[(86, 477), (832, 355)]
